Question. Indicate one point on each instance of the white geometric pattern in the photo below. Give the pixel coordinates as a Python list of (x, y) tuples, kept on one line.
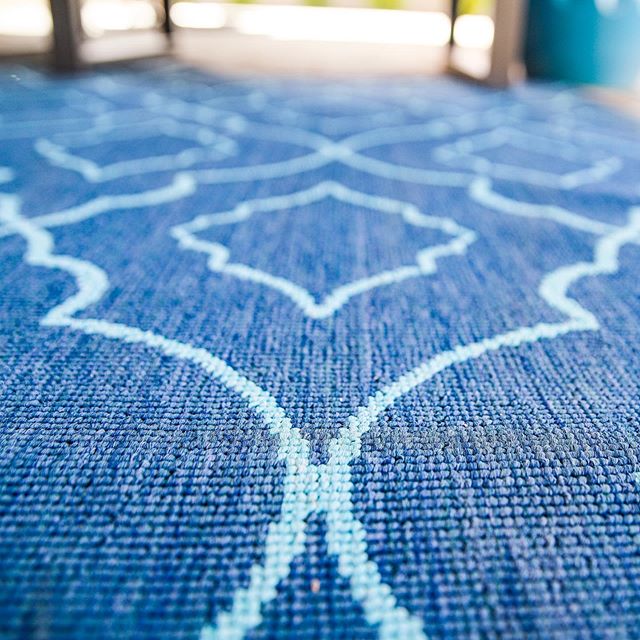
[(465, 152), (322, 488), (425, 260), (211, 146)]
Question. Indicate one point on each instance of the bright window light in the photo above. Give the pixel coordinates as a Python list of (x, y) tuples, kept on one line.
[(328, 24), (25, 18), (345, 25), (205, 15), (100, 16), (473, 31)]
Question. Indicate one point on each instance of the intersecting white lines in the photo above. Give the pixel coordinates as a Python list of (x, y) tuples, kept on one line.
[(323, 151), (313, 488), (431, 130), (258, 94), (305, 491), (378, 114), (266, 100), (310, 488), (425, 262), (290, 111), (345, 536)]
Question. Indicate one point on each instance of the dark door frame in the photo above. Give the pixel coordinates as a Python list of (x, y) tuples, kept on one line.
[(68, 35), (505, 63)]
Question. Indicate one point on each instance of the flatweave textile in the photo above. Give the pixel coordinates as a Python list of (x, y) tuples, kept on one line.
[(308, 359)]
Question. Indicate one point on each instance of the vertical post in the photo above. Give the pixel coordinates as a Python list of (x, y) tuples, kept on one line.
[(506, 53), (67, 34), (454, 15), (167, 26)]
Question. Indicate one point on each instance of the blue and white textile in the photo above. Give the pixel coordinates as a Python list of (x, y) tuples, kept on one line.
[(298, 359)]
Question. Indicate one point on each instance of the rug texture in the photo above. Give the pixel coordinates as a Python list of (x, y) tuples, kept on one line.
[(294, 359)]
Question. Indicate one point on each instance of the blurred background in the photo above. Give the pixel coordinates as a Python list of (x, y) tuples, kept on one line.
[(587, 41)]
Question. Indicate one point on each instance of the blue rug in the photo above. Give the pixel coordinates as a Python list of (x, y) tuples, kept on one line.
[(300, 359)]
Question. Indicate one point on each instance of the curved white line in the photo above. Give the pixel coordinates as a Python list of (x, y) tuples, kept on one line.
[(463, 154), (106, 129), (348, 151), (34, 128), (567, 130), (333, 125), (387, 170), (346, 536), (59, 156), (182, 186), (322, 149), (431, 130), (308, 487), (482, 192), (425, 259), (266, 171), (92, 283), (192, 112), (286, 536), (553, 290)]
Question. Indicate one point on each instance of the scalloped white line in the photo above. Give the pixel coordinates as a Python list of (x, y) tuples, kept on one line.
[(425, 261), (303, 489), (315, 488), (60, 156), (346, 537), (181, 187), (464, 153), (482, 192)]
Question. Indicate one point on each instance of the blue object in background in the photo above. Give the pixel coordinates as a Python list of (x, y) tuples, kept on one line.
[(585, 41)]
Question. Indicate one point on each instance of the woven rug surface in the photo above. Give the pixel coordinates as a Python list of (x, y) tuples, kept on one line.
[(310, 359)]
